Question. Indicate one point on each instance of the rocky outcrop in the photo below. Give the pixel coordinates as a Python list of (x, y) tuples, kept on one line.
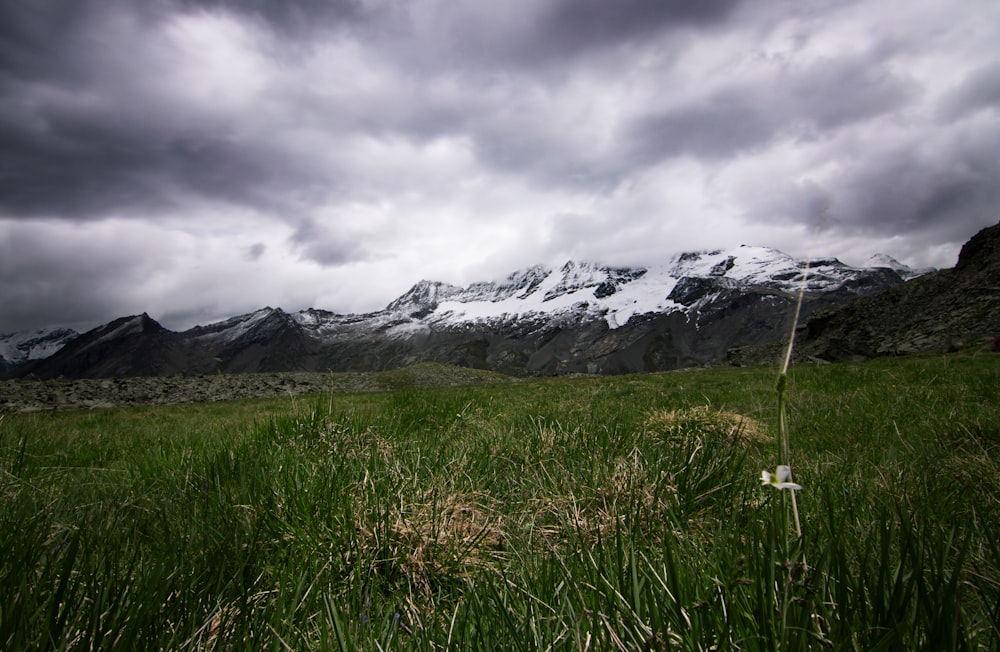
[(423, 297), (941, 311)]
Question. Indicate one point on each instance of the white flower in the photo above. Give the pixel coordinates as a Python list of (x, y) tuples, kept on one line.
[(779, 480)]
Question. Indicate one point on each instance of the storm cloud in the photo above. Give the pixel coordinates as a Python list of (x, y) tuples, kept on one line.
[(196, 159)]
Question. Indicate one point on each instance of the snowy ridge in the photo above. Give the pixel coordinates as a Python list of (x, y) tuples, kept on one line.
[(127, 326), (424, 293), (583, 291), (888, 262), (21, 347), (235, 327), (617, 294)]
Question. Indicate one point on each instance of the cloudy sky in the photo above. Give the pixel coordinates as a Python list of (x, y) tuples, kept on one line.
[(197, 159)]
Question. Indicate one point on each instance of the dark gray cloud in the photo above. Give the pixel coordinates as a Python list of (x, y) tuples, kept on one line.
[(720, 126), (905, 192), (77, 146), (791, 102), (544, 37), (289, 16), (329, 244), (944, 191), (541, 153), (26, 33), (75, 164), (834, 93), (570, 26), (292, 152), (255, 251), (980, 89), (48, 279)]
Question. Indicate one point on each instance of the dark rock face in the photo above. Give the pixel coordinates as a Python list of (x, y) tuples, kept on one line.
[(940, 311), (266, 341), (423, 296), (129, 346), (689, 290), (980, 257)]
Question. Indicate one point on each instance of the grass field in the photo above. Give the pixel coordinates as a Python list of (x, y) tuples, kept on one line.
[(576, 513)]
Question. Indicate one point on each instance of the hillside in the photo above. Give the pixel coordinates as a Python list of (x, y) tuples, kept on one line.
[(941, 311)]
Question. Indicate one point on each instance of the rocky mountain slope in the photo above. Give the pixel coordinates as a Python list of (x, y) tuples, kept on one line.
[(582, 317), (944, 310)]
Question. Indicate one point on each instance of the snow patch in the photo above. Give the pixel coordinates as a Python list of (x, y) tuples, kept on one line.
[(888, 262), (25, 346)]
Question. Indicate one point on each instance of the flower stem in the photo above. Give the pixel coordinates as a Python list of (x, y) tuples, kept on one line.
[(784, 449)]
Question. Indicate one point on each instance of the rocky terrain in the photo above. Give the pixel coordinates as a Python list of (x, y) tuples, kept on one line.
[(32, 395), (942, 311)]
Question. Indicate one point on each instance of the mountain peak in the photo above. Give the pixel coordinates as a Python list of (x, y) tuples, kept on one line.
[(132, 325), (982, 252), (885, 261), (423, 295)]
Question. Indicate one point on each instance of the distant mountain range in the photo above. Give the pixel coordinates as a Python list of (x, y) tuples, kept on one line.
[(692, 310)]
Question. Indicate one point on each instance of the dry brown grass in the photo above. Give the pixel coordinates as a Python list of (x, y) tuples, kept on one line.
[(703, 419), (432, 537), (430, 534)]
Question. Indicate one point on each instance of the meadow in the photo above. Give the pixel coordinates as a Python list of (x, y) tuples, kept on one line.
[(580, 513)]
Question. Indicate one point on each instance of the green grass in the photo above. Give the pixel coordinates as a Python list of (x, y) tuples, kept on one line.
[(585, 513)]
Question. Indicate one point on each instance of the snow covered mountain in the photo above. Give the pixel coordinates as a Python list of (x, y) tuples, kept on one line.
[(905, 271), (581, 317), (22, 347), (615, 295), (618, 294)]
